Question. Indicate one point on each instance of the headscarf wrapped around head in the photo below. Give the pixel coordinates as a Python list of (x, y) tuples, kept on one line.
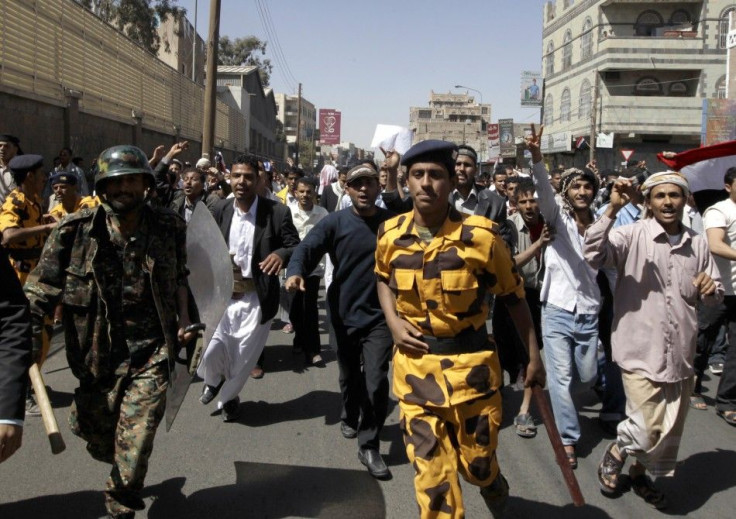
[(327, 176), (571, 175), (666, 177)]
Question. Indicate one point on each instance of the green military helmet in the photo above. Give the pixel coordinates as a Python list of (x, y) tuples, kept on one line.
[(121, 160)]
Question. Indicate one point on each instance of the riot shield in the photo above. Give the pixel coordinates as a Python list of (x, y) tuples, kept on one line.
[(211, 285)]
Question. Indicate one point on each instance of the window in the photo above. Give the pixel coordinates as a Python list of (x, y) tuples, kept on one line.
[(723, 27), (585, 101), (678, 89), (586, 41), (648, 23), (648, 86), (549, 110), (550, 60), (565, 106), (680, 18), (721, 88), (567, 51), (425, 114)]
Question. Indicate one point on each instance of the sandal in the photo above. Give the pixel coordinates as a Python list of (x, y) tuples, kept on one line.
[(525, 425), (572, 457), (643, 486), (609, 467), (729, 416), (698, 402)]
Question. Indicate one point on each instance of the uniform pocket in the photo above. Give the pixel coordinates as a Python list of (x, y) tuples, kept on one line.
[(78, 287), (407, 298), (459, 289)]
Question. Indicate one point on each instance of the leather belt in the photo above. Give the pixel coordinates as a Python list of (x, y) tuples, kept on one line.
[(467, 341)]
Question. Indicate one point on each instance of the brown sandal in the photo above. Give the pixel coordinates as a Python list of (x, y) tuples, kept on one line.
[(609, 467), (572, 457)]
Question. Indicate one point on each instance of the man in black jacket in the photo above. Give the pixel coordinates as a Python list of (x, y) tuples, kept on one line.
[(261, 237), (15, 357)]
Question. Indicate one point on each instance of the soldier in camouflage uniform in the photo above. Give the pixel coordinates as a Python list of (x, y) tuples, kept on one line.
[(109, 266), (435, 267)]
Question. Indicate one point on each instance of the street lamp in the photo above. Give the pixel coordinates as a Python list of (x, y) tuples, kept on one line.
[(480, 94)]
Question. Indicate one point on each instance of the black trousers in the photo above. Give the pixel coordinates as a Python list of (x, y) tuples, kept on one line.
[(364, 391), (709, 321), (304, 316), (511, 352)]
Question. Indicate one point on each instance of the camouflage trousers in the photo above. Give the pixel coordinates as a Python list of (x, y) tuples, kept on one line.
[(119, 424), (444, 441)]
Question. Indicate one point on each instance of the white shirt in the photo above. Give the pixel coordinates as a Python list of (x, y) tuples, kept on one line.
[(242, 232), (569, 282), (304, 221), (465, 205), (723, 216), (7, 184)]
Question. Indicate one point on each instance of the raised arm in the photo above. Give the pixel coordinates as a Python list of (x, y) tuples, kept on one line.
[(545, 193)]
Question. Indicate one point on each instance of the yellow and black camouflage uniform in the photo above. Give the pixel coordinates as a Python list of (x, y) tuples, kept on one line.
[(117, 345), (21, 211), (450, 403), (87, 202)]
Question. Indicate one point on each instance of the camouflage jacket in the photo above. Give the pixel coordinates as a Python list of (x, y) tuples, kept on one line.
[(74, 269)]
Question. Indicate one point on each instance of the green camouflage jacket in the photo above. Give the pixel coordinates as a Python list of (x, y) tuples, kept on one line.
[(74, 270)]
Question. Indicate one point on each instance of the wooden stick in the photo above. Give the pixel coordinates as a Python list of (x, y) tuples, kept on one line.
[(554, 438), (47, 413)]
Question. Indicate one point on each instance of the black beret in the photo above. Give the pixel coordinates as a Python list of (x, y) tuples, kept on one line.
[(62, 177), (6, 137), (22, 163), (432, 150)]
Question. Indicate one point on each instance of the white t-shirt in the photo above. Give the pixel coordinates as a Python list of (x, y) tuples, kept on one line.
[(723, 215)]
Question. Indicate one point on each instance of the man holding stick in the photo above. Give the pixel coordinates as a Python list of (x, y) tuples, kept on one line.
[(119, 271), (435, 267), (664, 270)]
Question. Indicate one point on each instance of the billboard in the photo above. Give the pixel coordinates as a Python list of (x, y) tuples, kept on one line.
[(494, 142), (531, 89), (506, 133), (719, 121), (329, 126)]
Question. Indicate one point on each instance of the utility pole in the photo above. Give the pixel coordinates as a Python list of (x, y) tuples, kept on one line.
[(210, 88), (298, 123), (593, 115)]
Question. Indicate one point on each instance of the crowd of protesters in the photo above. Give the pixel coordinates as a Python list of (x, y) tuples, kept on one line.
[(615, 280)]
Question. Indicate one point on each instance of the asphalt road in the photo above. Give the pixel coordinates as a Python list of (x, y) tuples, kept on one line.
[(286, 458)]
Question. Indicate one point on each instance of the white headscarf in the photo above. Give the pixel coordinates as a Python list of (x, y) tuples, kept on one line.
[(327, 176)]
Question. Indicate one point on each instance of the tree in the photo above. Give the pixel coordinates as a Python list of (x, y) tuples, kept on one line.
[(137, 19), (245, 51)]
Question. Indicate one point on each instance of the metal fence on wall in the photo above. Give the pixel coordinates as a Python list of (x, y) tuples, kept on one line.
[(51, 47)]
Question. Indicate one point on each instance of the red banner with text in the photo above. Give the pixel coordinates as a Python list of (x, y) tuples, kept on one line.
[(329, 126)]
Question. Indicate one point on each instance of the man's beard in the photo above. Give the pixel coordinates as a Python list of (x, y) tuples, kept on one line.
[(126, 207)]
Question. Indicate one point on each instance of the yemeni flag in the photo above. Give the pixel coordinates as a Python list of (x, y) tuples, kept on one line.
[(704, 169)]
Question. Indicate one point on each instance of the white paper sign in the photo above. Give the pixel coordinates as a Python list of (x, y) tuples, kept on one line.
[(392, 138), (604, 140)]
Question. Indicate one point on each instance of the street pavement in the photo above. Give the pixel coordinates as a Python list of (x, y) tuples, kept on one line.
[(285, 457)]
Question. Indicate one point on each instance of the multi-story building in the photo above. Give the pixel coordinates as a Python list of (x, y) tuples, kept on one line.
[(640, 69), (452, 117), (287, 110), (178, 49), (240, 87)]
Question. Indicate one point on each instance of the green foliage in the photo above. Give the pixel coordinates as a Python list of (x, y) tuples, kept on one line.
[(137, 19), (245, 51)]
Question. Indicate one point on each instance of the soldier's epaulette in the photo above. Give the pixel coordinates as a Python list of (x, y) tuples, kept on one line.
[(393, 223), (166, 214), (482, 222), (82, 214)]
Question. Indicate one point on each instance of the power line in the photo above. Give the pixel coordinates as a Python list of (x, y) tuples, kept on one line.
[(269, 19), (280, 65)]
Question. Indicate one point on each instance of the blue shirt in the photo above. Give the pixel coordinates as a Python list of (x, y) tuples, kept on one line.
[(629, 213)]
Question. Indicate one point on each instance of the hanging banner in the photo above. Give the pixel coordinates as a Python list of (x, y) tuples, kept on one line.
[(604, 140), (329, 126), (494, 142), (506, 131), (556, 142), (531, 88)]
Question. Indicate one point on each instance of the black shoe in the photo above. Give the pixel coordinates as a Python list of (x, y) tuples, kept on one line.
[(231, 410), (209, 393), (496, 495), (373, 461), (347, 431)]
